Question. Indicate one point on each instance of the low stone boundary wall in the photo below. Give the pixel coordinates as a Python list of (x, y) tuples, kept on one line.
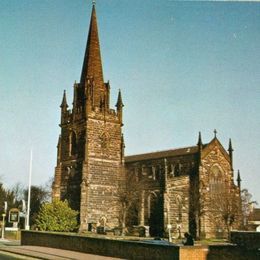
[(246, 239), (231, 252), (136, 249), (193, 253), (100, 246)]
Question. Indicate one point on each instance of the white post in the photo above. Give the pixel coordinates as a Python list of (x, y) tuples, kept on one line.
[(3, 227), (27, 225)]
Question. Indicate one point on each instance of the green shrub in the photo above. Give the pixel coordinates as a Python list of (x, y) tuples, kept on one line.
[(57, 216)]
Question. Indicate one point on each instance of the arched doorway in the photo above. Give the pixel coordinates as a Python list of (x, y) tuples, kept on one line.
[(155, 211)]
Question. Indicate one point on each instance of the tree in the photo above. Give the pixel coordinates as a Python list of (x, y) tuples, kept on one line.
[(57, 216), (18, 191), (128, 198), (247, 205), (226, 209), (8, 196), (39, 194)]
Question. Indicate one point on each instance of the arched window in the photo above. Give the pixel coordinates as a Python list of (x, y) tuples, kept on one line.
[(73, 143), (177, 170), (216, 183)]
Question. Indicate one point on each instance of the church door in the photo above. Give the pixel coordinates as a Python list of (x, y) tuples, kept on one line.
[(156, 215)]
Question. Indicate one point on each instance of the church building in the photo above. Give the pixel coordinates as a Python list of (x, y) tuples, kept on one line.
[(176, 190)]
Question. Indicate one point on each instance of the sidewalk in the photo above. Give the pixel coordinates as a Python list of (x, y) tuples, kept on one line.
[(38, 252)]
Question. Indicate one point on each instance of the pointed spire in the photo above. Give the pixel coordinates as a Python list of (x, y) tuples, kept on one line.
[(230, 148), (64, 104), (119, 103), (199, 140), (238, 179), (92, 65)]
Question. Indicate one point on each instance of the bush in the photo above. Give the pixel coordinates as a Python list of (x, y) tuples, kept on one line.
[(57, 216)]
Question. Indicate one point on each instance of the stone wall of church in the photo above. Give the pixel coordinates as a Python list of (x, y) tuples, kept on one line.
[(102, 170), (148, 179), (179, 188), (68, 172), (215, 182), (177, 204), (172, 190)]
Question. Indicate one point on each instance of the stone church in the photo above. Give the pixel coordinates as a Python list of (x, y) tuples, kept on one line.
[(171, 190)]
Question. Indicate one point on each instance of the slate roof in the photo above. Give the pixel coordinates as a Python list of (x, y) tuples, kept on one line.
[(162, 154)]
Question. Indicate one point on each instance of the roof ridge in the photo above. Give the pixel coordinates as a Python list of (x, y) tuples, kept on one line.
[(159, 151)]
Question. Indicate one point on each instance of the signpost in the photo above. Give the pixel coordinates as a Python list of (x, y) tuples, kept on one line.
[(14, 216)]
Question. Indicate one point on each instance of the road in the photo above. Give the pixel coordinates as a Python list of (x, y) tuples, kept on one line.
[(8, 256)]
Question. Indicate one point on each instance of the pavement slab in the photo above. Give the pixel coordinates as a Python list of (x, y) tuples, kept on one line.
[(38, 252)]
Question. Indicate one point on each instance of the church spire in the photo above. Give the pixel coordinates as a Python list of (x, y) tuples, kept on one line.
[(92, 65)]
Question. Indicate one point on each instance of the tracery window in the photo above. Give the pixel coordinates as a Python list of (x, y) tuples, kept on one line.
[(216, 183)]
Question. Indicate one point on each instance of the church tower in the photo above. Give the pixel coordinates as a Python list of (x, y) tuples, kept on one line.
[(90, 147)]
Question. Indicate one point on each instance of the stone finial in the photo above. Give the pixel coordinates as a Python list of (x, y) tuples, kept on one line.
[(119, 103), (215, 133), (199, 140), (230, 148), (230, 151), (238, 179)]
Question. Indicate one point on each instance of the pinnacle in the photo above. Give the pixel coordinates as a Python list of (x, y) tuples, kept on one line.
[(199, 140), (64, 101), (230, 148), (119, 103), (238, 176)]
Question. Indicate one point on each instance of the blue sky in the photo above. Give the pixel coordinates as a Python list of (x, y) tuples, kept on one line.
[(182, 67)]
